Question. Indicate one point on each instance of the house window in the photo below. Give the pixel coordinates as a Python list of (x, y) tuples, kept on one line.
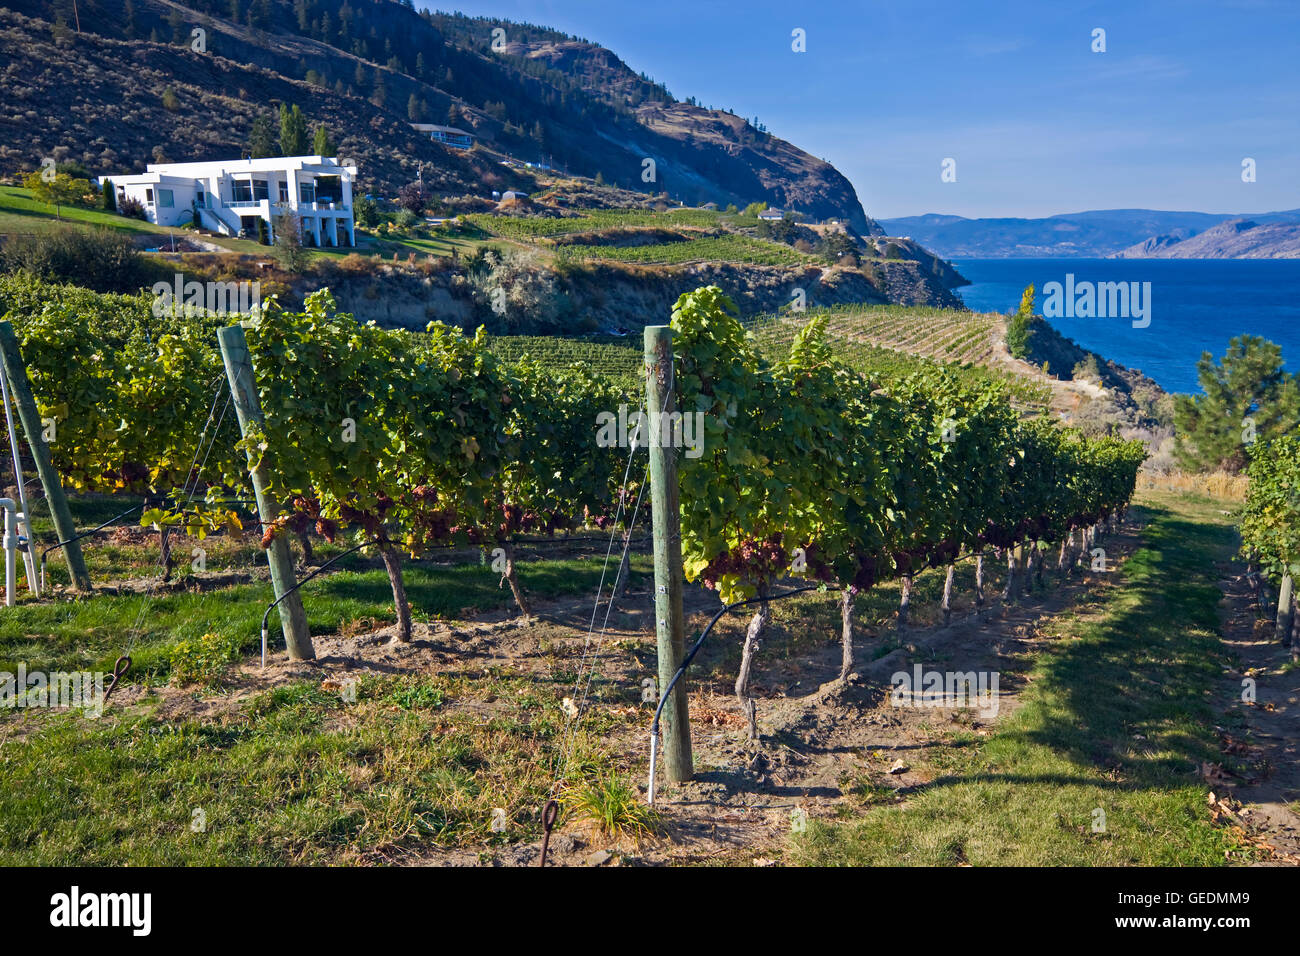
[(148, 195), (329, 189), (307, 192), (241, 191), (260, 190), (284, 192), (166, 199)]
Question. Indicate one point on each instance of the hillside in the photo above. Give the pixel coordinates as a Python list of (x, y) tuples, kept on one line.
[(367, 72), (1235, 239), (1094, 234)]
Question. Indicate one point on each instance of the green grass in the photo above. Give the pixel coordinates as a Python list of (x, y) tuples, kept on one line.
[(297, 774), (19, 213), (90, 633), (1118, 715), (300, 775), (386, 244), (613, 806)]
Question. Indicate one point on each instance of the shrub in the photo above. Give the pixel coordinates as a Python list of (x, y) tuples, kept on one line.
[(413, 197), (516, 290), (1088, 369), (101, 259), (202, 661), (132, 208), (108, 196), (288, 241), (366, 211)]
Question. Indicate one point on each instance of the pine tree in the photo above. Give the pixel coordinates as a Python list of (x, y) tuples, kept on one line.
[(321, 144), (110, 196), (261, 141), (293, 131), (176, 21), (1248, 397)]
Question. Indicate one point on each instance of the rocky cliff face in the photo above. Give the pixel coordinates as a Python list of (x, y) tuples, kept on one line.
[(601, 297)]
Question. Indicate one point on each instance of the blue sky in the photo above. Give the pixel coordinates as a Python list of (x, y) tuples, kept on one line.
[(1038, 123)]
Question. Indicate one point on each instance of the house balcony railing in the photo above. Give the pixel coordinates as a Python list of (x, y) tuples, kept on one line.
[(282, 205)]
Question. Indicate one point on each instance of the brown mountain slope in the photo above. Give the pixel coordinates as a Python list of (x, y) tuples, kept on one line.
[(1234, 239), (544, 97), (113, 118)]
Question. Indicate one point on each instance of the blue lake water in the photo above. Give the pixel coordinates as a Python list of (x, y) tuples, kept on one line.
[(1197, 305)]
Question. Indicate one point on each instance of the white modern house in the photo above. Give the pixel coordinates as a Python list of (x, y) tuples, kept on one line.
[(230, 197)]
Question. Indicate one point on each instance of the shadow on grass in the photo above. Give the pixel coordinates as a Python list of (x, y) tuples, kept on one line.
[(1126, 699)]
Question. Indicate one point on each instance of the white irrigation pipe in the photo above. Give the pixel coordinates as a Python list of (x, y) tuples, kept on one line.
[(24, 519), (10, 547)]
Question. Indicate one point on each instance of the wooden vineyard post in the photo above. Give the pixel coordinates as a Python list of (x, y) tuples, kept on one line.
[(30, 417), (243, 389), (670, 620)]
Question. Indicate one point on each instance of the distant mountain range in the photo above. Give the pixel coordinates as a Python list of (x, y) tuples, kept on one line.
[(1103, 233)]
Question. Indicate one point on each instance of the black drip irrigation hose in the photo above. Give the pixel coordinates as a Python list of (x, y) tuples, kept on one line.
[(271, 607), (690, 655), (695, 649)]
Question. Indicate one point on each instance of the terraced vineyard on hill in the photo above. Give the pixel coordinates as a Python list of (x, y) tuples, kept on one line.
[(526, 228), (945, 335), (888, 341), (616, 360), (705, 248), (675, 236)]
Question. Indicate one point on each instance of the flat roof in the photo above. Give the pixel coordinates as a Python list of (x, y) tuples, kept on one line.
[(435, 128)]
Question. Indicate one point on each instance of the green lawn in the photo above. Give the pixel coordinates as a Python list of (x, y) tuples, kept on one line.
[(20, 213), (1118, 717)]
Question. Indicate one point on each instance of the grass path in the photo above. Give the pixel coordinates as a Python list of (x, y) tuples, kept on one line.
[(1114, 726)]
